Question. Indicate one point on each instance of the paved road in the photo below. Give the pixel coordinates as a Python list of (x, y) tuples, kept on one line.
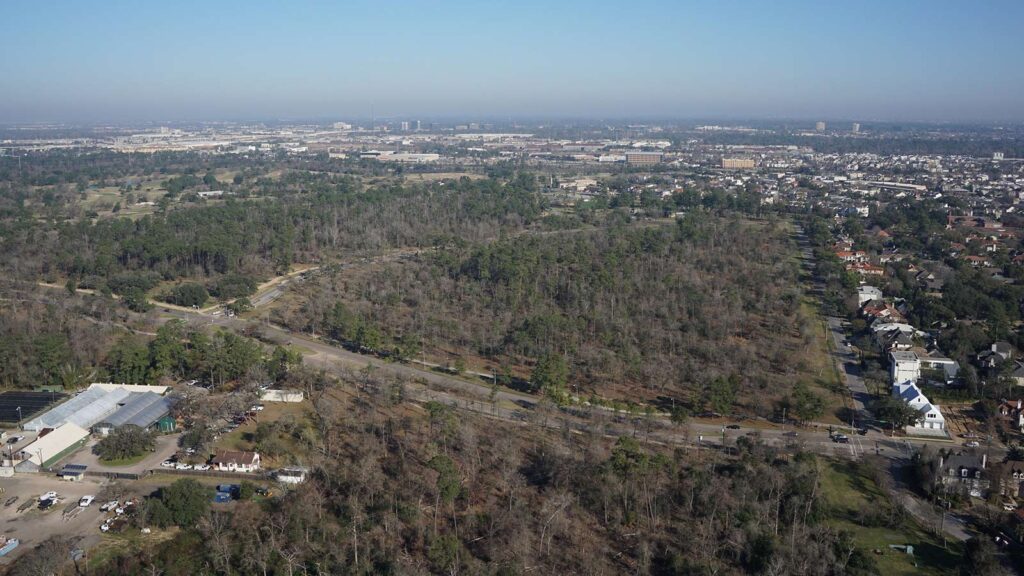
[(848, 364)]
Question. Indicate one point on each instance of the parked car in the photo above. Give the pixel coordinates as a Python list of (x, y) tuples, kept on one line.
[(109, 506), (15, 439), (51, 495), (201, 467), (85, 501), (167, 464), (182, 466), (841, 438), (46, 504), (972, 444), (733, 426)]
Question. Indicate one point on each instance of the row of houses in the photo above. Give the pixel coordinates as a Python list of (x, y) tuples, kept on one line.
[(912, 358)]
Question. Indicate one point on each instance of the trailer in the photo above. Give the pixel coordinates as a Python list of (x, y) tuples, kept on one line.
[(8, 545)]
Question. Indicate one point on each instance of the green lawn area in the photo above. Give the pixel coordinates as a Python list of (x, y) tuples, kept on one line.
[(848, 492), (125, 461)]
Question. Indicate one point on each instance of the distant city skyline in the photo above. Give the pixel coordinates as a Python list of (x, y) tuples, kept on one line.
[(937, 61)]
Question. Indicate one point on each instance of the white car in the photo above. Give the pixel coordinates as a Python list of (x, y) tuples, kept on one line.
[(202, 466), (104, 527), (51, 495), (972, 444), (167, 464), (182, 466), (109, 506), (86, 500)]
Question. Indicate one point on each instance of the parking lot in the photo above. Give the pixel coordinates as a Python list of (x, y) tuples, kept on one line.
[(32, 526)]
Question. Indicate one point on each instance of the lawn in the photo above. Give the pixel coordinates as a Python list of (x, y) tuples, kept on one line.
[(125, 461), (848, 492)]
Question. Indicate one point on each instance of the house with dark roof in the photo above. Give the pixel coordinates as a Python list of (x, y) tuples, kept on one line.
[(965, 472)]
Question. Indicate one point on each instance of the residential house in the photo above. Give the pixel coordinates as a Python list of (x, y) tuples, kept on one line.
[(904, 367), (965, 473), (236, 461), (993, 357), (930, 420), (867, 293), (1018, 373), (1012, 411), (865, 269)]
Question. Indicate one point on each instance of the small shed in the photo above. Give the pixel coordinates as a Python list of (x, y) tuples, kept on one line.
[(72, 472)]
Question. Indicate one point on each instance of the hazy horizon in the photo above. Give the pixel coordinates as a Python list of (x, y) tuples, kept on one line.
[(787, 61)]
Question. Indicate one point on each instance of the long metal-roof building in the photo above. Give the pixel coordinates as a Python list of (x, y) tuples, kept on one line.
[(48, 449), (101, 402), (142, 410)]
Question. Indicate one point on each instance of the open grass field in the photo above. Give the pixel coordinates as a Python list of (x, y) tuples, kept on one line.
[(849, 492)]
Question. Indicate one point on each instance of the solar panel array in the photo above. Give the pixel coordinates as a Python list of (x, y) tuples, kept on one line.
[(31, 403)]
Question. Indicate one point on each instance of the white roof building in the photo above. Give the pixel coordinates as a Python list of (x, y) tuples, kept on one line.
[(60, 442), (904, 367), (931, 421)]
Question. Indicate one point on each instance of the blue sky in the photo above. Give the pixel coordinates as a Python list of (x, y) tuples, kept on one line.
[(190, 60)]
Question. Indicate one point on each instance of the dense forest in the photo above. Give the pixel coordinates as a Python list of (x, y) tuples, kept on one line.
[(400, 489), (259, 238), (698, 308)]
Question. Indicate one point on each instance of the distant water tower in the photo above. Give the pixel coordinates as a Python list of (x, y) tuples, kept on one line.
[(820, 126), (856, 127)]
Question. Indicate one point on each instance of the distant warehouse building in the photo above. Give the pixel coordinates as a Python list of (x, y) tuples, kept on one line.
[(53, 446), (738, 163), (643, 158), (409, 157)]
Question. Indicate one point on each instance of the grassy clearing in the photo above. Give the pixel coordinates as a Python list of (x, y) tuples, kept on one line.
[(848, 492), (113, 545), (295, 415), (819, 372), (125, 461)]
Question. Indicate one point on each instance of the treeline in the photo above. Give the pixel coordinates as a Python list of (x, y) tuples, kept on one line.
[(400, 492), (259, 238), (178, 352), (50, 344), (674, 308)]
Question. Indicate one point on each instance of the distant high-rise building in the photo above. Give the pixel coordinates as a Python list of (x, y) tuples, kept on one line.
[(856, 127), (998, 156), (405, 126), (820, 126), (417, 125), (342, 126)]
